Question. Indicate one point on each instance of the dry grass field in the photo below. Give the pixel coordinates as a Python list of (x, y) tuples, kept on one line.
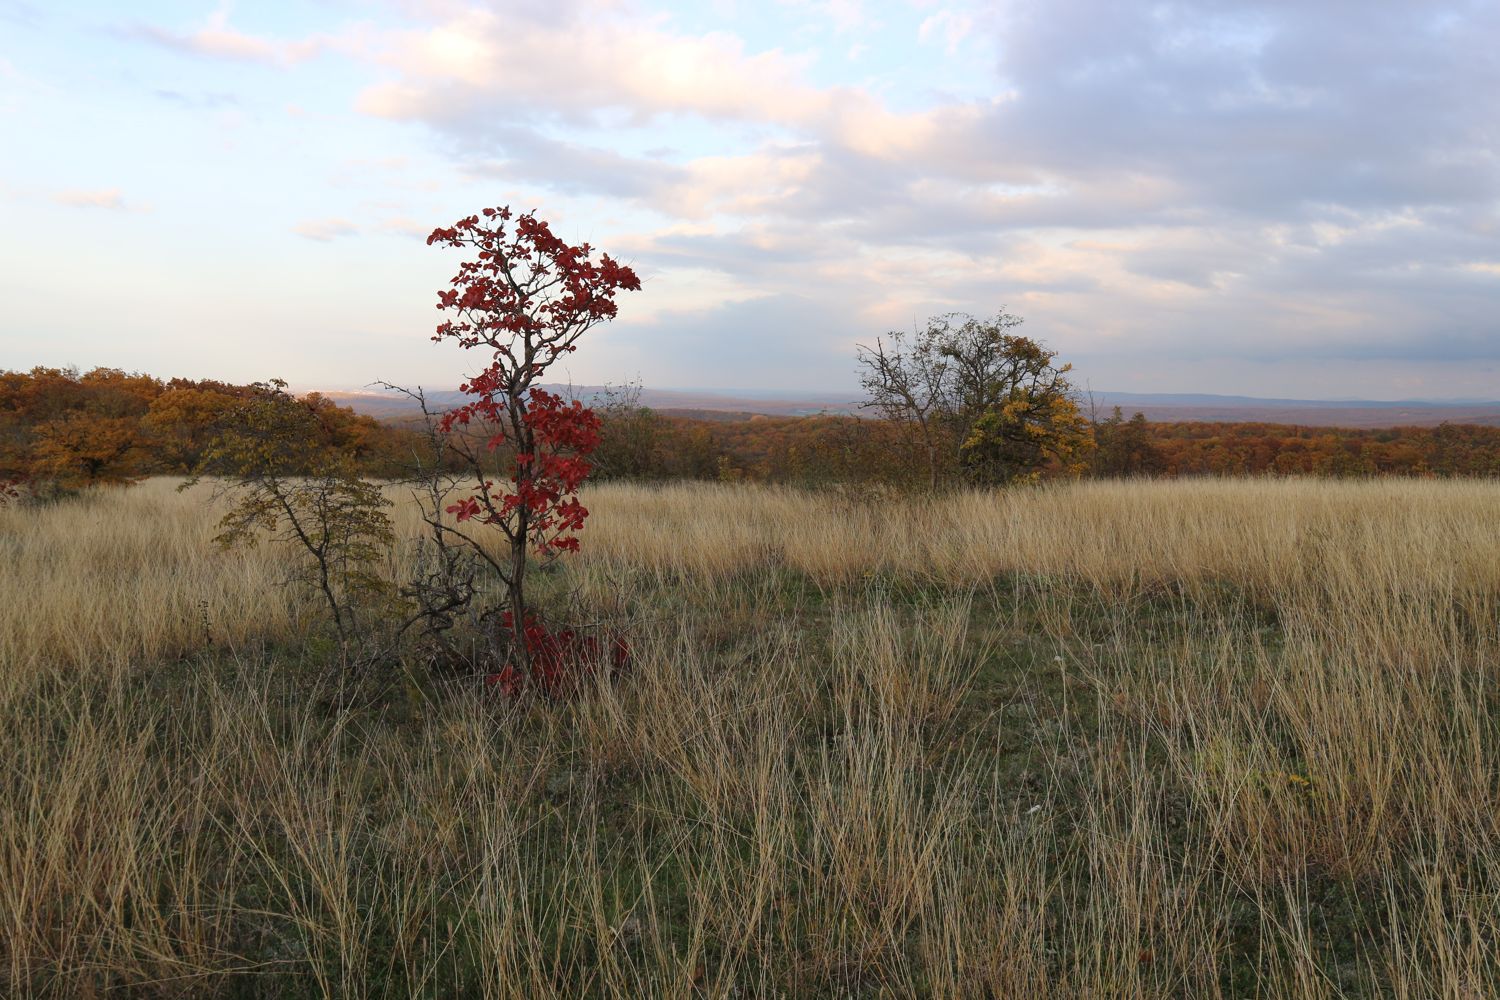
[(1177, 739)]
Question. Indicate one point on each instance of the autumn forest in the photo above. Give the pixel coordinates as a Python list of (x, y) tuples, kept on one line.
[(61, 429)]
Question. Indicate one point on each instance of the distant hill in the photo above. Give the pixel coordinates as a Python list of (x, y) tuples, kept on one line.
[(1160, 407), (1367, 413), (388, 405)]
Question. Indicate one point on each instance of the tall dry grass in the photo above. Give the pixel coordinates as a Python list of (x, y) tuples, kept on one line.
[(1108, 739)]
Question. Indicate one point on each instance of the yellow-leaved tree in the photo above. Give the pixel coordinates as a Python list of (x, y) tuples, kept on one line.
[(982, 402)]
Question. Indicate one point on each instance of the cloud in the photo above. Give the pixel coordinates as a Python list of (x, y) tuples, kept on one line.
[(207, 100), (952, 27), (406, 226), (572, 167), (109, 198), (843, 15), (479, 72), (760, 342), (325, 230), (481, 58), (217, 39), (1182, 181)]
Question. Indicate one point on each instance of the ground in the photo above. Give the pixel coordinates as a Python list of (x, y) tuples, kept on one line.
[(1218, 738)]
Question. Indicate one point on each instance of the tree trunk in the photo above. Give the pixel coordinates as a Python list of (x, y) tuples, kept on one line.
[(525, 444), (932, 470), (520, 655)]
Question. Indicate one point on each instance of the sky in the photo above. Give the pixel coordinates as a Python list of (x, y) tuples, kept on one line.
[(1295, 199)]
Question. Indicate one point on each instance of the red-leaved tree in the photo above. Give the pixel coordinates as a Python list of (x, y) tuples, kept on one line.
[(525, 297)]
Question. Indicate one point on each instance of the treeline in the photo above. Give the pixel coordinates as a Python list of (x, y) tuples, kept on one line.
[(816, 450), (68, 429), (63, 429), (1196, 448)]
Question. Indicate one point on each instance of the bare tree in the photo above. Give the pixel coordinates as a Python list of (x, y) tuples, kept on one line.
[(447, 561), (632, 432), (983, 363), (907, 382)]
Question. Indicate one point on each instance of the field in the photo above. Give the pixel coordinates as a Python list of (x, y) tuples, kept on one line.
[(1173, 739)]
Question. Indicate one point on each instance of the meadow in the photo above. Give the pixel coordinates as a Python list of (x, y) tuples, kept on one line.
[(1199, 738)]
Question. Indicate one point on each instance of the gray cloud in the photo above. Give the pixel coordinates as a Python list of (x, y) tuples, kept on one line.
[(1197, 180), (777, 342), (572, 167)]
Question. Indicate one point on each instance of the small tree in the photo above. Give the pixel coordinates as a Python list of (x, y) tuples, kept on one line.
[(997, 399), (631, 434), (525, 297), (1125, 447), (288, 479)]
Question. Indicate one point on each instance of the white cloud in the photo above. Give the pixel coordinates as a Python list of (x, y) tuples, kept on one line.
[(951, 27), (217, 39), (402, 225), (325, 230), (843, 15), (478, 69), (480, 59), (109, 198)]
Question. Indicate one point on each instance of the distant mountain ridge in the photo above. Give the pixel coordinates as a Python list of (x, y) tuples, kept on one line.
[(1354, 413), (1210, 399), (1162, 407), (771, 403)]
